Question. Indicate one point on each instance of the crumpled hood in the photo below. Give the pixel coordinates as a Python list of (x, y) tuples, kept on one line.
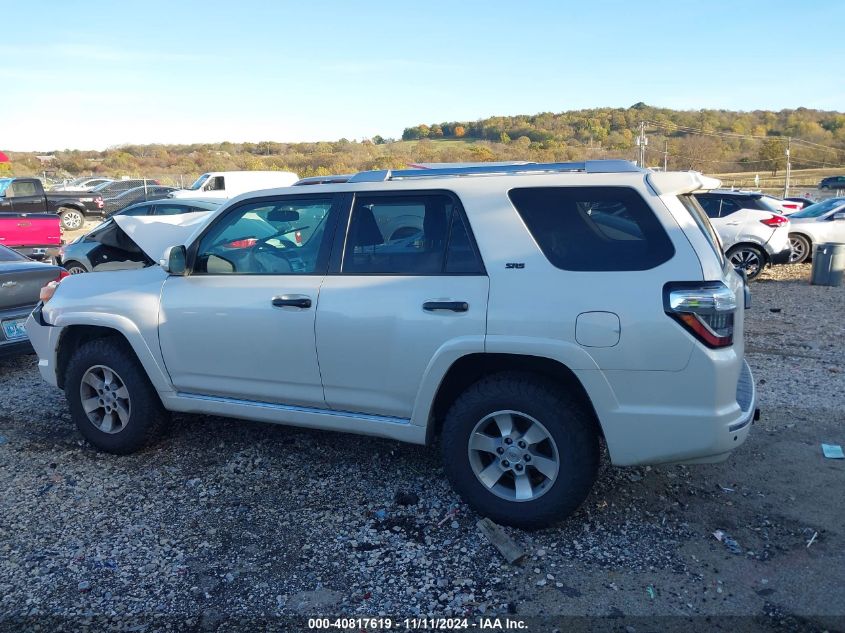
[(155, 234)]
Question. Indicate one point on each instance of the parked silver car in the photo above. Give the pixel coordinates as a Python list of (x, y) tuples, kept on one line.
[(819, 223)]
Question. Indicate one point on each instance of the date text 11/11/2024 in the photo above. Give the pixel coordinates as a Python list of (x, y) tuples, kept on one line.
[(421, 623)]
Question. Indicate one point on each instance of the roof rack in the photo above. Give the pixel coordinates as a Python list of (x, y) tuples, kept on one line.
[(587, 166), (323, 180)]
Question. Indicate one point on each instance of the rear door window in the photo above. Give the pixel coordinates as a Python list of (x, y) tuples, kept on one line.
[(593, 228), (409, 234), (691, 203)]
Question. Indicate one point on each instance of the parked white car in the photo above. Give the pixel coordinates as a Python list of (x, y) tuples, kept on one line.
[(820, 223), (753, 231), (228, 184), (537, 309)]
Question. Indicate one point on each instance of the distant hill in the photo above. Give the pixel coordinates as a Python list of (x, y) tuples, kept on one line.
[(706, 140)]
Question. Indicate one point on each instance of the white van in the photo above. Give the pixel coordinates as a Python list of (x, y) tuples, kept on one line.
[(228, 184)]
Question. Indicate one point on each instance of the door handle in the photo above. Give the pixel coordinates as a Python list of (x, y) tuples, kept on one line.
[(292, 301), (453, 306)]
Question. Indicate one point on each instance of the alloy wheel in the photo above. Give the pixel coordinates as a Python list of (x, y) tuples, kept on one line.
[(747, 260), (514, 456), (105, 399), (799, 250)]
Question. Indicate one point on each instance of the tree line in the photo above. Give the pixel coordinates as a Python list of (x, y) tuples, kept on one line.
[(705, 140)]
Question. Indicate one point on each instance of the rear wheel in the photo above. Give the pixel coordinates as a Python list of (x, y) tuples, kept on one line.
[(748, 258), (800, 248), (520, 450), (75, 268), (111, 400), (72, 219)]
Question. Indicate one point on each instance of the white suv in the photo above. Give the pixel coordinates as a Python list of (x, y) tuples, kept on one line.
[(532, 312), (753, 230)]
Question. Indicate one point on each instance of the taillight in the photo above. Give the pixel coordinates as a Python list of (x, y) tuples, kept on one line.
[(706, 310), (775, 221), (49, 289), (247, 242), (99, 202), (298, 237)]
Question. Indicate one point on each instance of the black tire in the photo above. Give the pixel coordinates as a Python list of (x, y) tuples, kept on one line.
[(74, 267), (72, 219), (802, 248), (570, 424), (146, 417), (750, 257)]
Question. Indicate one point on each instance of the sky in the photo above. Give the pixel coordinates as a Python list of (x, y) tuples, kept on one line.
[(91, 74)]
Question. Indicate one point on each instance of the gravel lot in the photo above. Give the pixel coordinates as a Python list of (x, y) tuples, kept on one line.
[(225, 522)]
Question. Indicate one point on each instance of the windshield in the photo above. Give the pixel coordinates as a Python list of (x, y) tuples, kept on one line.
[(199, 182), (4, 183), (819, 209)]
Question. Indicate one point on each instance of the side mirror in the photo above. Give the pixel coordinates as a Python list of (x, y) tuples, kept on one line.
[(839, 215), (174, 260)]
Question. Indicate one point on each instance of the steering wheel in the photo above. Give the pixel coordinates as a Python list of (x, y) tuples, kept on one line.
[(268, 259)]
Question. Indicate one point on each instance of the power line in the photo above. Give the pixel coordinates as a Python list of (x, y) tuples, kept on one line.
[(672, 127), (767, 161)]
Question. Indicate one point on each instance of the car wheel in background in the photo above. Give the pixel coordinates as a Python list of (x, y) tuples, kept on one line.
[(520, 450), (111, 400), (748, 258), (800, 248), (75, 268), (71, 219)]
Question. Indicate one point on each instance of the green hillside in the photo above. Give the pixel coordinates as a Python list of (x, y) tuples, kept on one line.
[(706, 140)]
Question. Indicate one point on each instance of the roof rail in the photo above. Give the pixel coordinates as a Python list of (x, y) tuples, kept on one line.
[(587, 166), (323, 180)]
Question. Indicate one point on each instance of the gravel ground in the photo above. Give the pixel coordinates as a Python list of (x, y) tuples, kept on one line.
[(224, 522)]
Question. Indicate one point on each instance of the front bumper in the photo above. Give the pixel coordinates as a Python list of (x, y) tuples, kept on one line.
[(44, 338)]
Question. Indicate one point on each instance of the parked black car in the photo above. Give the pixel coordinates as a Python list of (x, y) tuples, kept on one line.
[(131, 196), (27, 195), (108, 248), (21, 280)]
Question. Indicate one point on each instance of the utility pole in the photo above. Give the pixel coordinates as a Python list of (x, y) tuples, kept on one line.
[(642, 141), (665, 155), (788, 167)]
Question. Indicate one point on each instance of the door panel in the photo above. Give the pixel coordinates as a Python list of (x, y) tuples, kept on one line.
[(410, 281), (221, 335), (242, 324), (375, 340)]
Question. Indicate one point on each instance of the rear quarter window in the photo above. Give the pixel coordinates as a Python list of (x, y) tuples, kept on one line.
[(593, 228)]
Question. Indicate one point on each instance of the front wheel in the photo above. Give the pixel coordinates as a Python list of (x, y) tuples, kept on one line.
[(800, 248), (748, 258), (520, 450), (72, 219), (112, 401), (75, 268)]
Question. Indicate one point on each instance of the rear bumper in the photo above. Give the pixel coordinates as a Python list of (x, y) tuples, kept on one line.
[(16, 346), (781, 257), (682, 428)]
